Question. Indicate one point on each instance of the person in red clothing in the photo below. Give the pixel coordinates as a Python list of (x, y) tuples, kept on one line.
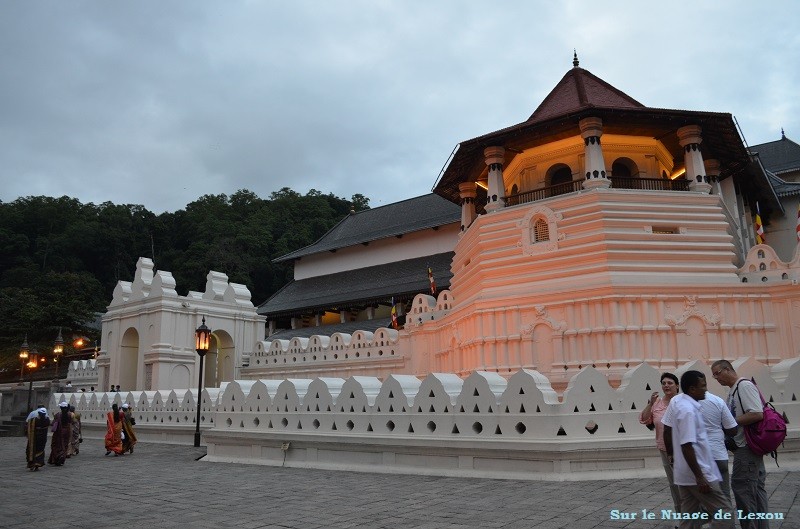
[(113, 439)]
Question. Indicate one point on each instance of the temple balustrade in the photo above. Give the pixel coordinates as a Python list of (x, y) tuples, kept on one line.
[(477, 425), (83, 374), (617, 182), (339, 354)]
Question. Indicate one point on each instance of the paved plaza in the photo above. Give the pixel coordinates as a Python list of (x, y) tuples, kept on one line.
[(163, 486)]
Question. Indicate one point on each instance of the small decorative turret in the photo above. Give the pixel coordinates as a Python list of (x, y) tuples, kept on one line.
[(575, 62)]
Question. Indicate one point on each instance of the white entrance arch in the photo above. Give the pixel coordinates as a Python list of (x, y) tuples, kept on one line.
[(128, 359)]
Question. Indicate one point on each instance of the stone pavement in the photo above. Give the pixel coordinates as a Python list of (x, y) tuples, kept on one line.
[(163, 486)]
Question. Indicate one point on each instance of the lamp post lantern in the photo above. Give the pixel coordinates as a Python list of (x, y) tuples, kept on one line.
[(58, 349), (32, 364), (23, 356), (202, 343)]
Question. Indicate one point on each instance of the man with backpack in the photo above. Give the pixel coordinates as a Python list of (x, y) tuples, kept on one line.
[(748, 477)]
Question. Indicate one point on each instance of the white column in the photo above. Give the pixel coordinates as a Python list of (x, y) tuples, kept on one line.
[(712, 175), (591, 130), (495, 156), (468, 193), (690, 139)]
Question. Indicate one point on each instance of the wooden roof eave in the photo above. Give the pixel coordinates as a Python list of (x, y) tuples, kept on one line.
[(720, 137)]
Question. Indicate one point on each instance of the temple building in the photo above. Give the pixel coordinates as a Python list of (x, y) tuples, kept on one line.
[(512, 323), (597, 232)]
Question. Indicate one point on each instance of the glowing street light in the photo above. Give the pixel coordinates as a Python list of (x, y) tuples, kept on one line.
[(33, 363), (202, 338), (58, 349), (23, 356)]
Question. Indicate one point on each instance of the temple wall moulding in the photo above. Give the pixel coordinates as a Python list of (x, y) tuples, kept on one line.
[(691, 310), (542, 318)]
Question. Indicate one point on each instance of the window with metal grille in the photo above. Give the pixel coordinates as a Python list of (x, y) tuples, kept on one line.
[(541, 232), (665, 230)]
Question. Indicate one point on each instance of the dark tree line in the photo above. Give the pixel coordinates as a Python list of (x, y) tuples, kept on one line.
[(60, 259)]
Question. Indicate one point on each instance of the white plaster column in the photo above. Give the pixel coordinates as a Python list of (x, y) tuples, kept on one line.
[(690, 139), (712, 175), (591, 130), (468, 193), (370, 313), (342, 316), (495, 156)]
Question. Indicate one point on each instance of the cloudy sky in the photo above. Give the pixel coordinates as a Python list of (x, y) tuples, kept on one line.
[(158, 103)]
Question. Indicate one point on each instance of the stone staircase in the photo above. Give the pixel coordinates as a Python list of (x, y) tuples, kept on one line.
[(13, 427)]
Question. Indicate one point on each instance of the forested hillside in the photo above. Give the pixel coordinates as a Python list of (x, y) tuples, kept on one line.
[(60, 259)]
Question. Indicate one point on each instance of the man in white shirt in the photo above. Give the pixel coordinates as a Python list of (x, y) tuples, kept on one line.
[(694, 468), (719, 423)]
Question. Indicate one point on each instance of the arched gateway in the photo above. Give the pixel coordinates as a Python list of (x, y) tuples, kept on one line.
[(148, 332)]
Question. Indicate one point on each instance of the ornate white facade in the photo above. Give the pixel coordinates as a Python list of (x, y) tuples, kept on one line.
[(148, 332)]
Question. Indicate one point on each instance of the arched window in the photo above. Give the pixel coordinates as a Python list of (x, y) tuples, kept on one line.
[(620, 169), (541, 231), (626, 171), (561, 175), (559, 179)]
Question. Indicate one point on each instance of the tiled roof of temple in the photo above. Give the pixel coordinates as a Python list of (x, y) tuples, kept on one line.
[(392, 220), (781, 156), (361, 287), (580, 89)]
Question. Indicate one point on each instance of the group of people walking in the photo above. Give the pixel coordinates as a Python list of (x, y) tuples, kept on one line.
[(65, 441), (694, 431), (66, 436)]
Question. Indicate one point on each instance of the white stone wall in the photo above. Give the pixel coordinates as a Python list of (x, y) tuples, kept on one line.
[(83, 374), (482, 425), (364, 352)]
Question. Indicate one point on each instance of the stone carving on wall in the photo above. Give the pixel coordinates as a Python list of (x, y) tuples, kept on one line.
[(542, 317), (691, 309)]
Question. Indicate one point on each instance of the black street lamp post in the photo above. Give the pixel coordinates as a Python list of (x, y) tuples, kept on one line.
[(23, 356), (58, 350), (32, 364), (202, 343)]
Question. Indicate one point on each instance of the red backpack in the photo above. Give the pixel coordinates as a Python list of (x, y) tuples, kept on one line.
[(766, 435)]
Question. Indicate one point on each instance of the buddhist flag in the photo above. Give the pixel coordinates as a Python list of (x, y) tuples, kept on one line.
[(433, 283), (759, 227), (394, 314), (798, 222)]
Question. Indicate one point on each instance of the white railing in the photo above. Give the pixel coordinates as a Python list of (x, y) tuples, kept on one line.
[(484, 418)]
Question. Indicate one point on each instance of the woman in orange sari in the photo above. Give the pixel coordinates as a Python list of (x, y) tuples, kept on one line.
[(114, 420)]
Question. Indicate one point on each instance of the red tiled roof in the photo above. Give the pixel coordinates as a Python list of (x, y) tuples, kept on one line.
[(580, 89)]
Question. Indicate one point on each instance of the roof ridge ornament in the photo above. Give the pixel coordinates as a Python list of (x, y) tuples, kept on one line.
[(783, 134), (575, 61)]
